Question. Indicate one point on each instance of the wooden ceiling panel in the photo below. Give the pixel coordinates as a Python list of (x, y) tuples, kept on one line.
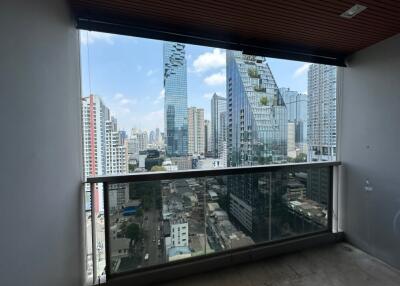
[(306, 27)]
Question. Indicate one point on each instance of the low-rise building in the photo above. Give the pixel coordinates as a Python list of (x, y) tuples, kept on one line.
[(179, 232), (179, 252), (120, 247)]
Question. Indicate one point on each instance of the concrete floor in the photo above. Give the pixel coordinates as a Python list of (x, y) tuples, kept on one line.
[(337, 265)]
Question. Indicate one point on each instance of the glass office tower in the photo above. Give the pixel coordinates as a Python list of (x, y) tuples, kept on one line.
[(175, 102)]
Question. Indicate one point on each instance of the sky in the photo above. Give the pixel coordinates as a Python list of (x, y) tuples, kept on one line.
[(127, 73)]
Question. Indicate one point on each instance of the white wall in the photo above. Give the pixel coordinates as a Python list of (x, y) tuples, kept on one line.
[(370, 149), (40, 145)]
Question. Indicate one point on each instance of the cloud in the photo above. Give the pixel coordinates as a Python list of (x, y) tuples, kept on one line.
[(125, 101), (154, 119), (216, 79), (91, 37), (139, 68), (208, 60), (151, 72), (301, 70), (208, 95), (160, 98), (120, 99), (118, 96)]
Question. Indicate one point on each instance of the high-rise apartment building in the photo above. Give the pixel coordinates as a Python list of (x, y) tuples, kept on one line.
[(195, 131), (116, 153), (116, 163), (207, 137), (103, 151), (321, 124), (222, 140), (158, 136), (94, 116), (152, 137), (175, 101), (296, 105), (133, 146), (143, 140), (218, 106), (291, 146), (123, 136), (257, 116)]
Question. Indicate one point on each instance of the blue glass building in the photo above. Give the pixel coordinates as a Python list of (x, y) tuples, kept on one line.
[(175, 102)]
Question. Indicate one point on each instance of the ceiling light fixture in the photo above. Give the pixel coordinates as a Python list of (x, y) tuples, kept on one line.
[(353, 11)]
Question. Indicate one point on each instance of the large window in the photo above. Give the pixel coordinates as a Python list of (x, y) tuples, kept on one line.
[(164, 106)]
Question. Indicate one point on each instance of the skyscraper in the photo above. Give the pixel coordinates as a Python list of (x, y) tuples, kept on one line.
[(218, 106), (116, 163), (257, 116), (116, 153), (321, 125), (175, 102), (222, 139), (296, 105), (152, 137), (196, 131), (291, 147), (158, 136), (94, 114), (257, 134), (143, 140), (103, 151)]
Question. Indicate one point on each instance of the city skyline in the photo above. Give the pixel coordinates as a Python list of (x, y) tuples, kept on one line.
[(256, 122), (127, 73)]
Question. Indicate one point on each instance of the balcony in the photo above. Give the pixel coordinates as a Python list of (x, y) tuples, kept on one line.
[(200, 220), (42, 239)]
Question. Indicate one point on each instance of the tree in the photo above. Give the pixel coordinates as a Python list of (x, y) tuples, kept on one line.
[(157, 168), (301, 158), (132, 168), (139, 213), (264, 100), (133, 232), (252, 72)]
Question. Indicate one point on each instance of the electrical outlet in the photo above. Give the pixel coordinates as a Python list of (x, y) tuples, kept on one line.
[(367, 186)]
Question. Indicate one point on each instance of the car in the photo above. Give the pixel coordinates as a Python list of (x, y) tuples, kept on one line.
[(154, 239), (159, 243), (146, 257)]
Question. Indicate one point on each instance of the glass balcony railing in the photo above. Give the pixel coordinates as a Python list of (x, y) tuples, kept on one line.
[(152, 220)]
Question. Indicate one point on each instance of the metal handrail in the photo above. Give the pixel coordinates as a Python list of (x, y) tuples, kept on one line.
[(166, 175)]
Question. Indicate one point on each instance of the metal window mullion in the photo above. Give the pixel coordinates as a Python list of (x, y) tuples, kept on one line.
[(107, 229), (93, 224)]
